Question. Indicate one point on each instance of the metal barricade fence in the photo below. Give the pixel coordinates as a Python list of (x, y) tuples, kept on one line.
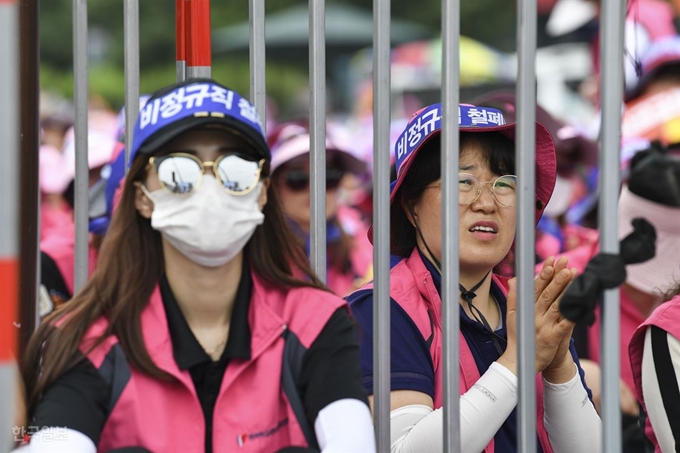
[(194, 60), (9, 216)]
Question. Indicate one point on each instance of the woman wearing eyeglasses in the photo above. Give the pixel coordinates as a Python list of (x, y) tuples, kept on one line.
[(349, 254), (202, 328), (487, 187)]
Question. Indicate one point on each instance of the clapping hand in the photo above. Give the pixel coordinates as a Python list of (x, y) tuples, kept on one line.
[(553, 331)]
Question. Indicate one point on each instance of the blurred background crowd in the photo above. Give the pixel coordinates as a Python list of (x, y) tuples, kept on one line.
[(567, 95)]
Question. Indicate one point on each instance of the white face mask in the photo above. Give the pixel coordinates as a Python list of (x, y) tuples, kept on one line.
[(208, 225)]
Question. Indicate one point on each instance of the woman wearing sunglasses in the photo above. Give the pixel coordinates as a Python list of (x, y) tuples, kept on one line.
[(202, 328), (487, 186), (349, 253)]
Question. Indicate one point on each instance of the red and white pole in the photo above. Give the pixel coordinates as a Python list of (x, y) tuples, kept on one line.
[(197, 38), (9, 217)]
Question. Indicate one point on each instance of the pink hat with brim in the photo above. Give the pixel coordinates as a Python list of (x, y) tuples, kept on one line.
[(661, 53), (426, 124), (100, 149), (293, 140), (660, 273)]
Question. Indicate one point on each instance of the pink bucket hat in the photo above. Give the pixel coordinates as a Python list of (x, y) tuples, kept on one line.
[(290, 140), (426, 124), (661, 54), (100, 148)]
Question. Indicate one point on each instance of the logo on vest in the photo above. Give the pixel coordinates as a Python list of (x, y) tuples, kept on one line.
[(242, 438)]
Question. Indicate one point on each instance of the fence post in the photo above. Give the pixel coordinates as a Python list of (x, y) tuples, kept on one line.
[(9, 220), (29, 272), (450, 155), (381, 223), (258, 58), (80, 91), (526, 152), (131, 20), (180, 30), (317, 130), (611, 45)]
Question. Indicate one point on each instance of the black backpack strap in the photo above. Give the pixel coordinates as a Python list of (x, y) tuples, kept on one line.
[(293, 353)]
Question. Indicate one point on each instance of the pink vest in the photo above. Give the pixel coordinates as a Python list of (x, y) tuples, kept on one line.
[(665, 317), (61, 248), (412, 287), (252, 413)]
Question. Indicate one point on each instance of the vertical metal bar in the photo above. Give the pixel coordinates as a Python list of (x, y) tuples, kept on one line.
[(131, 25), (611, 44), (198, 50), (80, 81), (450, 151), (180, 38), (381, 223), (9, 220), (257, 58), (317, 129), (526, 152), (29, 69)]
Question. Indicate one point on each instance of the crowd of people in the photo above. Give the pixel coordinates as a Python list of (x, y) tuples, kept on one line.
[(202, 326)]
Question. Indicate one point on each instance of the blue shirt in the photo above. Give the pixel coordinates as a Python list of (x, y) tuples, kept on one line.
[(411, 361)]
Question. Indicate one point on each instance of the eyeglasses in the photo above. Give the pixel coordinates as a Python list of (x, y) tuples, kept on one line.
[(503, 189), (298, 180), (181, 173)]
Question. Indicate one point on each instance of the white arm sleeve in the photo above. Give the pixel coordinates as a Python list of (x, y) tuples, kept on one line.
[(657, 403), (59, 440), (570, 417), (483, 409), (345, 426)]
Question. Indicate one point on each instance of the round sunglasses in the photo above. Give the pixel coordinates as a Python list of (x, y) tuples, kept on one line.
[(298, 180), (181, 173)]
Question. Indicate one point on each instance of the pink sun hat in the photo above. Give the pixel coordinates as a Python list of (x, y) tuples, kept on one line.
[(426, 124), (292, 139)]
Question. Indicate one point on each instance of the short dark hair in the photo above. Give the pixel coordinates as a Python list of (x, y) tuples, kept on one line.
[(499, 154)]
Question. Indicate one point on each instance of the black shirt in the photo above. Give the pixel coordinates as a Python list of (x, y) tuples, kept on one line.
[(79, 399), (190, 355)]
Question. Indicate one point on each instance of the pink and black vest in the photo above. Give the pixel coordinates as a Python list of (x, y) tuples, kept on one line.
[(412, 287), (666, 317), (253, 412)]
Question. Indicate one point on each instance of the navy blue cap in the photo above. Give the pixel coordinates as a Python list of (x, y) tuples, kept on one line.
[(191, 104)]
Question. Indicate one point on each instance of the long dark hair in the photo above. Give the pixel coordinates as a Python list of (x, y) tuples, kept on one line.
[(499, 154), (130, 264)]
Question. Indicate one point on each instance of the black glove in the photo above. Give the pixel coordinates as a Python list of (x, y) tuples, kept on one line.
[(606, 271), (640, 245)]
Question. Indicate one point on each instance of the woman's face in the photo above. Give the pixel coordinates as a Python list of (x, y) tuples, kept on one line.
[(292, 183), (207, 145), (480, 250)]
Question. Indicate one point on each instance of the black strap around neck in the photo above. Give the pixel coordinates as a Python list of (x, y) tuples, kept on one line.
[(468, 295)]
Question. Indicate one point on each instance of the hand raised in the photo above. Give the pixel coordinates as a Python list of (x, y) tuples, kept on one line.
[(552, 330)]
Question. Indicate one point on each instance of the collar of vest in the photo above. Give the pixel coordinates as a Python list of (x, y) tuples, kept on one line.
[(266, 325)]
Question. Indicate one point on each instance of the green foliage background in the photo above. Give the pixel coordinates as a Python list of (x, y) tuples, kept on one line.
[(489, 21)]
